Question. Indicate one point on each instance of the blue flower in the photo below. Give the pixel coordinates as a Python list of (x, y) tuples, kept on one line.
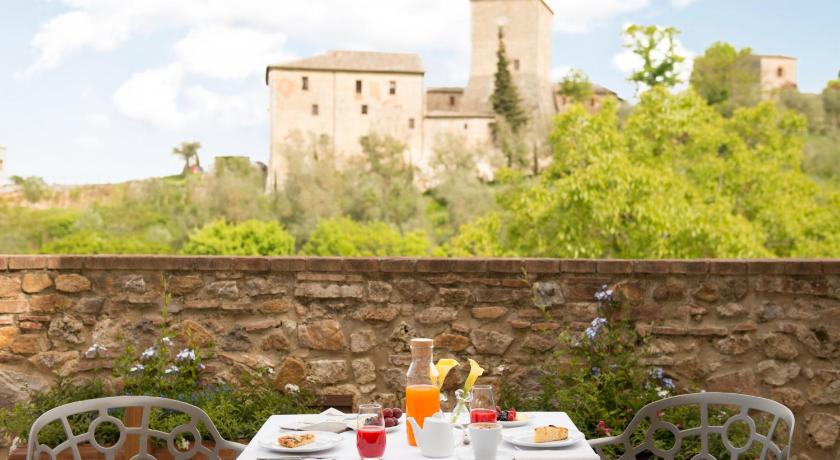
[(658, 373), (604, 294), (593, 330), (595, 371), (668, 383)]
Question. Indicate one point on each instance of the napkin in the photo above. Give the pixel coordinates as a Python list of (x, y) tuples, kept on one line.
[(325, 422)]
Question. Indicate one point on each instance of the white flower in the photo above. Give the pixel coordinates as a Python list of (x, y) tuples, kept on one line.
[(148, 353), (166, 341), (171, 370), (185, 355), (201, 367), (137, 368), (292, 388), (95, 350), (661, 392), (270, 370), (182, 444)]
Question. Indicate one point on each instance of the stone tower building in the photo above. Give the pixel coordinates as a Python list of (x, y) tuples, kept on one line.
[(527, 35)]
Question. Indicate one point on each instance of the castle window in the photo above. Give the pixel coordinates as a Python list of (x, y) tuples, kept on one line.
[(392, 89), (364, 109), (516, 64), (358, 86), (315, 109), (780, 72), (451, 101), (304, 83), (411, 123)]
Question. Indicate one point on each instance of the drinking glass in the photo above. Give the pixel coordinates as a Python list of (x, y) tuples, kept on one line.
[(482, 405), (370, 432)]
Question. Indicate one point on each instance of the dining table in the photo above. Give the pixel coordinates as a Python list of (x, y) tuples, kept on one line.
[(397, 446)]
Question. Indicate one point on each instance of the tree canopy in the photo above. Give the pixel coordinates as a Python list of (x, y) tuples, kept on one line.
[(725, 78), (249, 238), (656, 48)]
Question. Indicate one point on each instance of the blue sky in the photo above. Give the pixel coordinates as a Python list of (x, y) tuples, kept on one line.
[(101, 90)]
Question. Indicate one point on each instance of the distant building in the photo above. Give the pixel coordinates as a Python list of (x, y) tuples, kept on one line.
[(593, 104), (774, 73), (340, 96)]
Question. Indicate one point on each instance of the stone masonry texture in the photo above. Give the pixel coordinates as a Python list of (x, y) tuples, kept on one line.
[(764, 327)]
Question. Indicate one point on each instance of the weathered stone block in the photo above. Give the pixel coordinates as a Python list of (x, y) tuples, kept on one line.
[(823, 429), (135, 284), (29, 344), (7, 335), (790, 397), (9, 286), (500, 295), (825, 387), (362, 340), (52, 360), (182, 285), (14, 306), (490, 342), (322, 335), (453, 296), (538, 343), (452, 342), (67, 329), (49, 303), (779, 346), (436, 315), (379, 291), (740, 381), (364, 371), (329, 291), (279, 305), (16, 386), (290, 371), (669, 291), (34, 283), (276, 341), (72, 283), (237, 339), (734, 344), (191, 332), (708, 292), (326, 371), (377, 313), (489, 312), (776, 373), (415, 290)]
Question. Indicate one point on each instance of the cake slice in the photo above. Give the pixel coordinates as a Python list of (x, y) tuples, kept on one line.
[(291, 441), (550, 433)]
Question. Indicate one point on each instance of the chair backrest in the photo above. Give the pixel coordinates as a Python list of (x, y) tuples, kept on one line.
[(745, 406), (104, 406)]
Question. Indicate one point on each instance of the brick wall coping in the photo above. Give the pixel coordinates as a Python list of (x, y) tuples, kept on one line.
[(423, 265)]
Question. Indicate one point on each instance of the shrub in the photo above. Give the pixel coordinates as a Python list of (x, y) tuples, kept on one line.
[(249, 238), (344, 237), (601, 382)]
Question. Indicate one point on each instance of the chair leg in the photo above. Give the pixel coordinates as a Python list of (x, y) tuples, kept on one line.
[(133, 418)]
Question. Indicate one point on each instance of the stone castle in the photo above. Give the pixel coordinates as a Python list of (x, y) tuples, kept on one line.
[(340, 96)]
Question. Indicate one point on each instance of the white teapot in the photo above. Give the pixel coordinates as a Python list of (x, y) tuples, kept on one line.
[(435, 439)]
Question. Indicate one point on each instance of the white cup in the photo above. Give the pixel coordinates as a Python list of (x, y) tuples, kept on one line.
[(485, 439)]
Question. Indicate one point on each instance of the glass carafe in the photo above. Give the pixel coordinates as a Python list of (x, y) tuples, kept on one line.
[(422, 396)]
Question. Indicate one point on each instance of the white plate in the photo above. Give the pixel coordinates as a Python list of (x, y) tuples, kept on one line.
[(323, 441), (466, 453), (521, 420), (353, 423), (525, 438)]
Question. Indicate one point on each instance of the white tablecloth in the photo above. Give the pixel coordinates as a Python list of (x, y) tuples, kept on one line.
[(397, 447)]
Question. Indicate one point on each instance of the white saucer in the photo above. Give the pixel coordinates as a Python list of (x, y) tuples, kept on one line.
[(521, 420), (525, 438), (466, 453)]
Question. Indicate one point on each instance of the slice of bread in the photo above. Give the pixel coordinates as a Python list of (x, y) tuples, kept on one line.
[(295, 440), (550, 433)]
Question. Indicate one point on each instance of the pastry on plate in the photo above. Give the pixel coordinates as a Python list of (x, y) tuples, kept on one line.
[(550, 433), (291, 441)]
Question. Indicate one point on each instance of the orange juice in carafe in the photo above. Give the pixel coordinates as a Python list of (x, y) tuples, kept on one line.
[(422, 396)]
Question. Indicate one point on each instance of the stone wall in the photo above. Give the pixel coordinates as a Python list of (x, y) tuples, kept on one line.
[(770, 328)]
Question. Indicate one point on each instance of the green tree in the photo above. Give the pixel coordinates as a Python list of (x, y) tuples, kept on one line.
[(88, 242), (656, 48), (677, 180), (188, 151), (344, 237), (505, 97), (576, 85), (34, 188), (725, 77), (831, 102), (249, 238)]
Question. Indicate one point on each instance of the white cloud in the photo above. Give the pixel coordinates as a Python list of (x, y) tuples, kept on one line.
[(240, 109), (230, 52), (682, 3), (628, 62), (99, 119), (581, 16), (151, 96)]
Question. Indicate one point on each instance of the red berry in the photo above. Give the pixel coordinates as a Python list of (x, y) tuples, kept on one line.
[(387, 413), (511, 414), (390, 421), (397, 412)]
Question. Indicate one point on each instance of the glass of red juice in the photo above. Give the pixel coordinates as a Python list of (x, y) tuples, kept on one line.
[(370, 432), (482, 405)]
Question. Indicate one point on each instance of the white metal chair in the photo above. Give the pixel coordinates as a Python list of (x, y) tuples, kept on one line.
[(143, 432), (747, 404)]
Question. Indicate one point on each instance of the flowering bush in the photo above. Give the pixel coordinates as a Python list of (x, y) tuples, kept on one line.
[(601, 381)]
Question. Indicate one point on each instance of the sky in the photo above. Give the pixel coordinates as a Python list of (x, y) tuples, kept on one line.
[(96, 91)]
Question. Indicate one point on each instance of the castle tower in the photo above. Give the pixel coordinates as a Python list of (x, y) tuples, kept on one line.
[(527, 34)]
